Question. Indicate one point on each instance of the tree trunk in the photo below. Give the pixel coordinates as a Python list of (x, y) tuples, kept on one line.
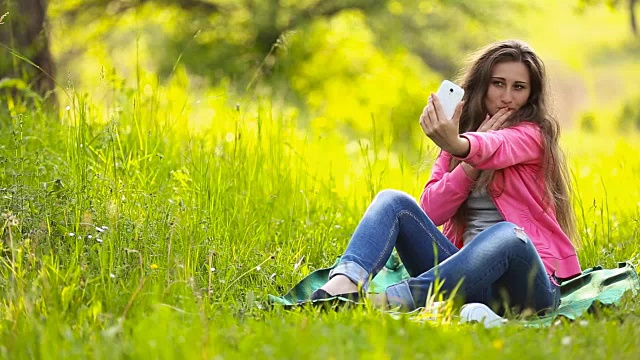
[(24, 32), (632, 17)]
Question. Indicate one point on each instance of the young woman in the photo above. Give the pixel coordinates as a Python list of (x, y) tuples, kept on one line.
[(499, 187)]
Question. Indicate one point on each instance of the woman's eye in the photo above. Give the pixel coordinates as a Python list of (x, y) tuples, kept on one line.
[(519, 87), (498, 83)]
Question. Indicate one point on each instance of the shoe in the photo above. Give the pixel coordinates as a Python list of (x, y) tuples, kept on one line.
[(323, 295), (477, 312)]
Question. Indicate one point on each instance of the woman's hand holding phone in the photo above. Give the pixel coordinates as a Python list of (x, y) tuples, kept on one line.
[(442, 131), (440, 122)]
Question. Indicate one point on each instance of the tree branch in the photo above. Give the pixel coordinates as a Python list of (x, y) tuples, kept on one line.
[(330, 8), (189, 5), (119, 6)]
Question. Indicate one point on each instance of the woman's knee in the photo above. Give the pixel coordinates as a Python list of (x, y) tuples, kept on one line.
[(394, 198), (507, 233)]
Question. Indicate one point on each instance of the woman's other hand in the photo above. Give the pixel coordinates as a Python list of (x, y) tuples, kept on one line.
[(497, 121), (442, 131), (490, 123)]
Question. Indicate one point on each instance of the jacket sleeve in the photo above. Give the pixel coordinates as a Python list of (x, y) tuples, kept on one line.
[(499, 149), (445, 191)]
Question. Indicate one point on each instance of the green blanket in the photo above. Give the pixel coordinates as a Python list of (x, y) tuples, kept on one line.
[(594, 285)]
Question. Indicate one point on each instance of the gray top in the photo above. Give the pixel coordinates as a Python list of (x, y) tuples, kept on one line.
[(481, 213)]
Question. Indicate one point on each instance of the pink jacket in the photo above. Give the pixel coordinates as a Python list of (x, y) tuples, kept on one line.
[(516, 189)]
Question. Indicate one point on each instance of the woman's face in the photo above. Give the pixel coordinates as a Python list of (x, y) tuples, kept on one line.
[(509, 87)]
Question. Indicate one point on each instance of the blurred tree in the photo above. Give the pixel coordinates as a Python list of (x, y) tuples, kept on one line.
[(631, 5), (270, 17), (235, 36), (353, 61), (24, 32)]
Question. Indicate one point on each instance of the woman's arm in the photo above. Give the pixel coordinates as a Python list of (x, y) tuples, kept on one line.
[(446, 190), (470, 171), (493, 150)]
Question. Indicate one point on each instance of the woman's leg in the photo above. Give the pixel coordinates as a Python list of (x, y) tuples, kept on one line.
[(394, 219), (500, 260)]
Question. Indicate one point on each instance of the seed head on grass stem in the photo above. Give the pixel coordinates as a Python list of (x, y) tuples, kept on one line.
[(256, 268)]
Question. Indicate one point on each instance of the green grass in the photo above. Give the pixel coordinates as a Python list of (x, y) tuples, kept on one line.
[(196, 227)]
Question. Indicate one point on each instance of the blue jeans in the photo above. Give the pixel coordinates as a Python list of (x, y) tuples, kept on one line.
[(500, 267)]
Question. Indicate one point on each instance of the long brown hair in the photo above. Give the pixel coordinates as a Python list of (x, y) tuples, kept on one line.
[(475, 79)]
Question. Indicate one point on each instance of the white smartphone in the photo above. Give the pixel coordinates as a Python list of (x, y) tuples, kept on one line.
[(450, 95)]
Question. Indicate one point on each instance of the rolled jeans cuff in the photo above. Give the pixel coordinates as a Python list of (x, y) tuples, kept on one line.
[(399, 295), (356, 273)]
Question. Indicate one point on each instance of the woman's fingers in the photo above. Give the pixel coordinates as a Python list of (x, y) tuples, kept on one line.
[(501, 120), (432, 115), (497, 121), (424, 119), (438, 108), (456, 114), (485, 124), (499, 115), (423, 124), (429, 119)]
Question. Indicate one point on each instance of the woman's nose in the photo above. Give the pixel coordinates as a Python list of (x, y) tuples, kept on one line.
[(507, 98)]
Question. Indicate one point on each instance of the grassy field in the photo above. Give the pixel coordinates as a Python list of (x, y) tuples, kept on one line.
[(150, 222), (127, 234)]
